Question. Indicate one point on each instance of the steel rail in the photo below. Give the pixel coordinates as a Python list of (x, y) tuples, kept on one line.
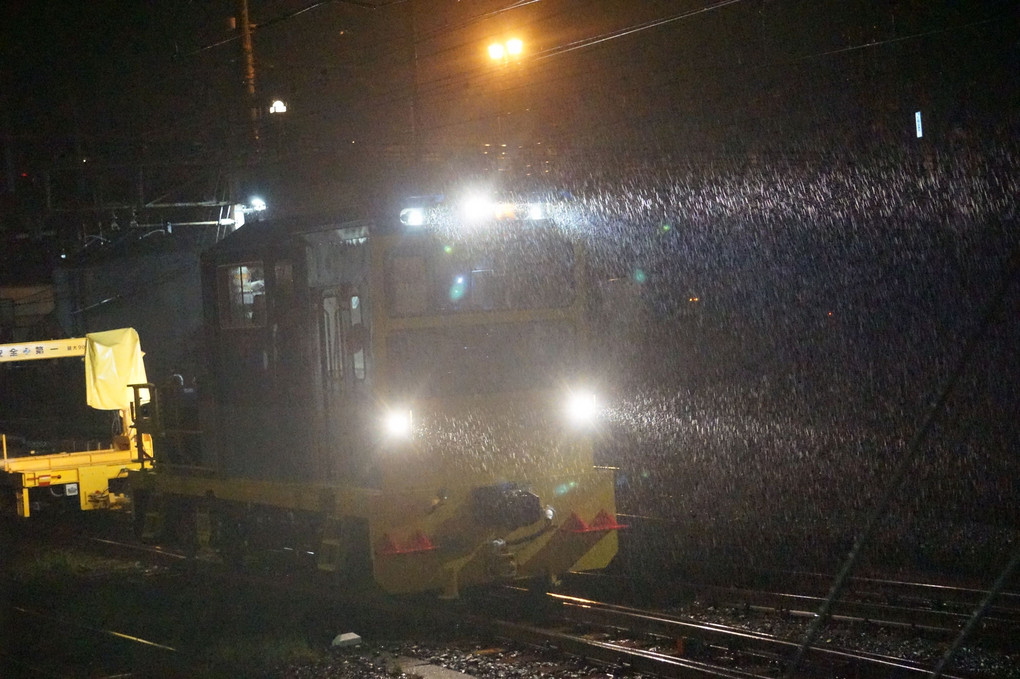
[(932, 620), (659, 664), (863, 664)]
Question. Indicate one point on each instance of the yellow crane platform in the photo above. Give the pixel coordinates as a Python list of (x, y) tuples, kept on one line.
[(114, 369)]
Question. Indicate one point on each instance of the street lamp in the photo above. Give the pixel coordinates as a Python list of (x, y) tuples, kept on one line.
[(501, 51)]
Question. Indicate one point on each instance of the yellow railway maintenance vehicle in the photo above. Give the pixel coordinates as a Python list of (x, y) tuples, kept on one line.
[(91, 478), (409, 405)]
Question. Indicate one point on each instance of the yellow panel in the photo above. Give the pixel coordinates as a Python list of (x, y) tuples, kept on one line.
[(31, 351), (463, 553), (94, 487), (64, 461)]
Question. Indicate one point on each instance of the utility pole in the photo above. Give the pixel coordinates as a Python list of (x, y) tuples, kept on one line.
[(416, 131), (249, 77)]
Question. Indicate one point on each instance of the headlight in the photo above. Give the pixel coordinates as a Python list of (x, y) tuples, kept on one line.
[(398, 423), (581, 407), (476, 208)]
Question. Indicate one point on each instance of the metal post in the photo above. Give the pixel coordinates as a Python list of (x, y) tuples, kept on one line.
[(249, 75)]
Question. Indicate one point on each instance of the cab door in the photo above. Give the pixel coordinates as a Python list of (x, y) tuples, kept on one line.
[(343, 371)]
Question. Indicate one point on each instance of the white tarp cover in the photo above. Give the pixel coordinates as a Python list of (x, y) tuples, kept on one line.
[(113, 360)]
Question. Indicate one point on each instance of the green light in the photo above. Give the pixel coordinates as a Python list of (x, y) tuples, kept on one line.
[(639, 276), (458, 289), (665, 227), (448, 249), (564, 488)]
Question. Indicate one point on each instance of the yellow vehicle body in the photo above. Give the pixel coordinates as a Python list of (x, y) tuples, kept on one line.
[(86, 475), (418, 538), (113, 362), (419, 541)]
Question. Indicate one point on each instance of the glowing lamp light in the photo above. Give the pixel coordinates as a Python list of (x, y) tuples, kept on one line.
[(278, 106), (536, 211), (582, 407), (506, 211), (459, 289), (257, 204), (398, 424), (412, 216), (476, 208), (498, 51)]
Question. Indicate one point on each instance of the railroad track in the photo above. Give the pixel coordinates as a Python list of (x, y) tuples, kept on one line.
[(999, 631), (672, 646), (935, 609), (642, 641), (891, 591), (45, 643)]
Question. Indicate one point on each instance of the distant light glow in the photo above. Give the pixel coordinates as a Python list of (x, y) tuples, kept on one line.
[(412, 216), (458, 289), (398, 423), (640, 276), (564, 488), (278, 107), (499, 51), (581, 407), (476, 208), (536, 211), (257, 204), (917, 123)]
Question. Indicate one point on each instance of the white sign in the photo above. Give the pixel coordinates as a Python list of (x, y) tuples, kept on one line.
[(29, 351)]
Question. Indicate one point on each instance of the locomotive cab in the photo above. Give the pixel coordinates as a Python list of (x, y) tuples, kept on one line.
[(288, 326), (411, 403)]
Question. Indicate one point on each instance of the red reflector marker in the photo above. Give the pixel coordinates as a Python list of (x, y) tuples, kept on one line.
[(419, 542), (575, 524), (603, 521)]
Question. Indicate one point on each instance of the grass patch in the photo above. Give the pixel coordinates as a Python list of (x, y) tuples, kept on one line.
[(258, 655), (52, 562)]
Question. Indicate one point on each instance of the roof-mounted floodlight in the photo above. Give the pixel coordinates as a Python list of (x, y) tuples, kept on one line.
[(475, 208), (412, 216)]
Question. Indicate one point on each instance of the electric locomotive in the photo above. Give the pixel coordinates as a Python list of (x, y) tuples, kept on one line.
[(402, 402)]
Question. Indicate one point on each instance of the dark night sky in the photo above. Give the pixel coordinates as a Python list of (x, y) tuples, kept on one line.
[(122, 72), (121, 83)]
